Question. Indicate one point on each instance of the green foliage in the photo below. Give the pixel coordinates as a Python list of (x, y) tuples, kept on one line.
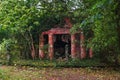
[(4, 75), (8, 52), (60, 63), (104, 27), (99, 23)]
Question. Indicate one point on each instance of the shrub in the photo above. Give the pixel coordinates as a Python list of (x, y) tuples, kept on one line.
[(8, 51), (59, 63), (4, 75)]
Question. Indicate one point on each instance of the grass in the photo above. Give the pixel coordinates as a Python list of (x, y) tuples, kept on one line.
[(73, 69), (33, 73), (4, 75)]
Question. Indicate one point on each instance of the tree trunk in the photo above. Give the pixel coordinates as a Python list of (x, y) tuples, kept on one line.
[(118, 18), (117, 12), (32, 46)]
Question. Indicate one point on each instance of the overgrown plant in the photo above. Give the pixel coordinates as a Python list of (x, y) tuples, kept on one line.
[(8, 51), (100, 19)]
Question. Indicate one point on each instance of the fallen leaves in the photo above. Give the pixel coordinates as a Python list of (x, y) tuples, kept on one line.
[(31, 73)]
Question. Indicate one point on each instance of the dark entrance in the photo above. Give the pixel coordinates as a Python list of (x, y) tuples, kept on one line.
[(61, 44)]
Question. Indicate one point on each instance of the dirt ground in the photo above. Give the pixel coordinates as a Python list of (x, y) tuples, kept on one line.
[(30, 73)]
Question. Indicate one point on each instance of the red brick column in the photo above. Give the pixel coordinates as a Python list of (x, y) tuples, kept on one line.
[(90, 53), (73, 46), (41, 44), (82, 47), (51, 48)]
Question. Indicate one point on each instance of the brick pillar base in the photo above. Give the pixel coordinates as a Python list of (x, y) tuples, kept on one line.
[(73, 46), (51, 49), (41, 45), (82, 46)]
